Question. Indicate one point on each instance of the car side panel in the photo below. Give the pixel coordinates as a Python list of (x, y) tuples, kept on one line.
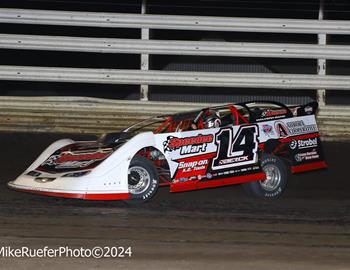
[(296, 139), (211, 157), (230, 155)]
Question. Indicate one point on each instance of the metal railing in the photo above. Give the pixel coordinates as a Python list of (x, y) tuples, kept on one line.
[(203, 23), (174, 47), (64, 114), (177, 78)]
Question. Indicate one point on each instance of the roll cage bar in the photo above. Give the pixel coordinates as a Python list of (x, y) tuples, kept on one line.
[(237, 116)]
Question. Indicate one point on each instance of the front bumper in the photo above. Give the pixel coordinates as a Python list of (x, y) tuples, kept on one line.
[(66, 193)]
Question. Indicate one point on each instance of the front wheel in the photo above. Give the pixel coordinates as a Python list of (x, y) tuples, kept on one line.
[(142, 180), (276, 178)]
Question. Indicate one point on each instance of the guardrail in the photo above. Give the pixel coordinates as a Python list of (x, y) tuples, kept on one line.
[(179, 78), (97, 116), (131, 20), (65, 114), (174, 47)]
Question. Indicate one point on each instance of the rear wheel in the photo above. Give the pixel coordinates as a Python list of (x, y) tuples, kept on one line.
[(276, 178), (143, 180)]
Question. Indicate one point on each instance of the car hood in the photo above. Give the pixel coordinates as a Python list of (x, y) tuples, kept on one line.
[(82, 156)]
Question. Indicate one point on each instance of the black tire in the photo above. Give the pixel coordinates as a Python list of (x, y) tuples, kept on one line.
[(142, 179), (278, 172)]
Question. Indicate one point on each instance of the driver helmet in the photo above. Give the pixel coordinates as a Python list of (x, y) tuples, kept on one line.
[(212, 120)]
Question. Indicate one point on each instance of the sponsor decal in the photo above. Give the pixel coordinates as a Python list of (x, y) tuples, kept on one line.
[(307, 156), (188, 145), (308, 110), (302, 144), (268, 130), (65, 157), (293, 144), (270, 113), (238, 171), (51, 160), (55, 161), (193, 166), (281, 129), (69, 160), (299, 127), (74, 164), (294, 128)]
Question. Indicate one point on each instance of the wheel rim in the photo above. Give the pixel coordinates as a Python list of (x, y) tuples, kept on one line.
[(138, 179), (273, 177)]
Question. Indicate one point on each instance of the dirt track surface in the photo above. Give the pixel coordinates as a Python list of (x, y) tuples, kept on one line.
[(309, 228)]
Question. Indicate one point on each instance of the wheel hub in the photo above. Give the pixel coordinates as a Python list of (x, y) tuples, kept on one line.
[(138, 180), (273, 177)]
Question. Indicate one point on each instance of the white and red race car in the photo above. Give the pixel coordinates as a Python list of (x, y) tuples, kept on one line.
[(256, 144)]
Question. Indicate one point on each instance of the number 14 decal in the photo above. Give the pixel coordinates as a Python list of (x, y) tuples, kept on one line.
[(236, 149)]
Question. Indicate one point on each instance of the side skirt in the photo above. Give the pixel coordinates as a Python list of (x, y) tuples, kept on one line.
[(187, 186), (309, 167)]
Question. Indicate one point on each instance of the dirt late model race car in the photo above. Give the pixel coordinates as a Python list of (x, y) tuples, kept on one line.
[(256, 144)]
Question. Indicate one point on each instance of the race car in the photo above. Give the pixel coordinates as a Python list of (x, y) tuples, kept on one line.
[(257, 144)]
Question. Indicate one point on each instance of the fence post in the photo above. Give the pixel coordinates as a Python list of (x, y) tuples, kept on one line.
[(321, 63), (144, 57)]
